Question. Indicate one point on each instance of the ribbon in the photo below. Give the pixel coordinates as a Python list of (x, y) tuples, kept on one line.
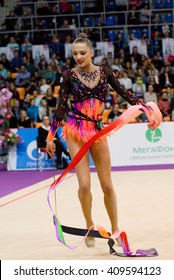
[(154, 116)]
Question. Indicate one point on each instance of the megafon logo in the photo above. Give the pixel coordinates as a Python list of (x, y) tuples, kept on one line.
[(153, 135)]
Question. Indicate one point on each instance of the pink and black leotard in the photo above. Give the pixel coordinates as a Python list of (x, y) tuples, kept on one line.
[(87, 104)]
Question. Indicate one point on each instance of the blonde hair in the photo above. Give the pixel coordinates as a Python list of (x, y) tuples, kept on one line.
[(82, 38)]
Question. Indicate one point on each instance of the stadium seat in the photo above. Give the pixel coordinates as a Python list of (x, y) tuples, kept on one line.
[(111, 34), (168, 4), (56, 91), (77, 7), (146, 31), (135, 32), (168, 17), (14, 76), (160, 17), (38, 124), (21, 91), (122, 32), (158, 4), (111, 6), (110, 21), (89, 20)]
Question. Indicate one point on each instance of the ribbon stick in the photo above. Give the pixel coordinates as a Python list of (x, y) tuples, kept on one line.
[(154, 116)]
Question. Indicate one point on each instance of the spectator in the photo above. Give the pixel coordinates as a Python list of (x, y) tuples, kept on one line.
[(98, 58), (133, 16), (16, 108), (16, 62), (29, 67), (109, 100), (23, 77), (13, 121), (110, 58), (105, 62), (141, 74), (127, 82), (145, 14), (154, 72), (53, 59), (42, 136), (3, 72), (66, 65), (136, 55), (12, 88), (24, 121), (157, 41), (25, 103), (12, 44), (115, 113), (135, 3), (139, 87), (166, 78), (5, 61), (165, 27), (26, 45), (157, 62), (90, 6), (133, 63), (44, 86), (36, 97), (116, 65), (51, 100), (119, 42), (169, 91), (164, 105), (33, 85), (151, 81), (29, 57), (150, 95), (11, 20), (130, 71), (42, 68), (64, 7), (44, 109), (100, 22), (32, 111), (50, 75)]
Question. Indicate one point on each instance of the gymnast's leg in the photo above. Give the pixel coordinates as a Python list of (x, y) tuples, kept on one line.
[(101, 157), (83, 175)]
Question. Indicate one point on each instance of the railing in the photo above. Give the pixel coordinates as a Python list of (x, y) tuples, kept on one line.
[(55, 28)]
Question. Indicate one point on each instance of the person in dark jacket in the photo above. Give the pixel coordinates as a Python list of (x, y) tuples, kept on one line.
[(41, 142)]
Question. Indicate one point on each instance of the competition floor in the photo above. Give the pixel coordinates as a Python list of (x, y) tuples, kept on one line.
[(146, 213)]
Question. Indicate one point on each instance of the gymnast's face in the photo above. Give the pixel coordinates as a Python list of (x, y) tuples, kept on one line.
[(82, 54)]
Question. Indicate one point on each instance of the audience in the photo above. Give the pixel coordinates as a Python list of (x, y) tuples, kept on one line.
[(42, 136), (114, 114), (39, 75)]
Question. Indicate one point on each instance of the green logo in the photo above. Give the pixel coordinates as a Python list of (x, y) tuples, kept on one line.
[(153, 135)]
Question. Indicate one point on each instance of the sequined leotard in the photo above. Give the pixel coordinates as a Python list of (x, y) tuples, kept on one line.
[(87, 104)]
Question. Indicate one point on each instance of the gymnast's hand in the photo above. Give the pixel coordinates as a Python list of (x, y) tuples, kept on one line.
[(50, 148), (152, 125)]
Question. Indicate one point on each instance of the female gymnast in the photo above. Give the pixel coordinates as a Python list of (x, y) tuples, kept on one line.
[(88, 85)]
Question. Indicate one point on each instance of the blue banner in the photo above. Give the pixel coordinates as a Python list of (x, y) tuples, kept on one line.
[(27, 156)]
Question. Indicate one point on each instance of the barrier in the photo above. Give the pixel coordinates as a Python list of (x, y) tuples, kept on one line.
[(133, 145)]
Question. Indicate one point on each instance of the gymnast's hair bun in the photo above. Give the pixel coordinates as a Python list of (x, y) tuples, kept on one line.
[(82, 36)]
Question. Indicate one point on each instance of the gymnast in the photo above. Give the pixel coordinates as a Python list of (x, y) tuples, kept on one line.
[(87, 85)]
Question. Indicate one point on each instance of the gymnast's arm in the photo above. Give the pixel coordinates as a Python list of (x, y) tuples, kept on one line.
[(120, 89), (127, 95), (60, 110)]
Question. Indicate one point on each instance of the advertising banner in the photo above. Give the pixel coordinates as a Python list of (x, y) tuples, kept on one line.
[(132, 145), (25, 156), (135, 145)]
